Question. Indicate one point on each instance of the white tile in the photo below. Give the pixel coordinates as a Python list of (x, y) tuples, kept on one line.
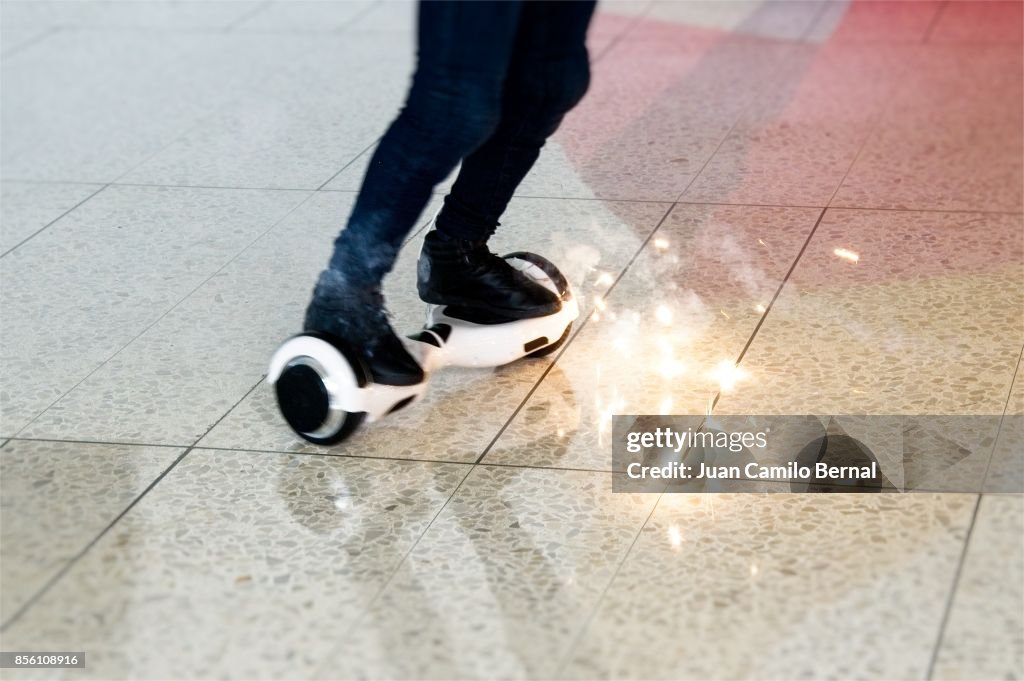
[(984, 635), (779, 586), (295, 130), (95, 104), (57, 497), (79, 291), (213, 347), (305, 15), (27, 207), (120, 14), (500, 583), (238, 564)]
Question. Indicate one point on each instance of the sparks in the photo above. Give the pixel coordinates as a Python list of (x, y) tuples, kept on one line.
[(728, 375), (663, 314), (846, 254), (675, 537)]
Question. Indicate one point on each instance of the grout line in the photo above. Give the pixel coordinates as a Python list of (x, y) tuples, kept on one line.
[(258, 9), (931, 28), (97, 442), (46, 33), (351, 161), (210, 186), (803, 39), (569, 341), (170, 309), (78, 556), (571, 647), (604, 199), (952, 589), (1002, 419), (636, 20), (778, 292), (51, 222), (74, 559), (387, 582)]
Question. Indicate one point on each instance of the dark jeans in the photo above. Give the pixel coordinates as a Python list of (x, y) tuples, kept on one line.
[(493, 81)]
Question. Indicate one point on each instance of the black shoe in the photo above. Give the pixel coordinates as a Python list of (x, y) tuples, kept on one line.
[(360, 320), (466, 274)]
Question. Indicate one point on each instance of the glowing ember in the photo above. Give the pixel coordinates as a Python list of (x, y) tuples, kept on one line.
[(846, 254), (663, 314), (671, 368), (675, 537), (728, 375)]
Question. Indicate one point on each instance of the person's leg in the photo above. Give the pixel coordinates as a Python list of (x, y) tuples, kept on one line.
[(453, 106), (548, 75)]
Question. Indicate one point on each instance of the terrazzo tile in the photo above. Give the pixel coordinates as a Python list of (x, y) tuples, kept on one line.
[(151, 14), (500, 582), (57, 496), (214, 345), (784, 20), (794, 145), (396, 16), (451, 423), (685, 306), (984, 636), (45, 13), (15, 38), (655, 113), (981, 22), (295, 130), (350, 179), (784, 586), (305, 15), (93, 105), (951, 138), (868, 321), (79, 291), (26, 207), (1006, 471), (877, 306), (238, 564), (879, 21)]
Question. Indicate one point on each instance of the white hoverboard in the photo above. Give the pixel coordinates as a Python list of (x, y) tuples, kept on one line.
[(325, 391)]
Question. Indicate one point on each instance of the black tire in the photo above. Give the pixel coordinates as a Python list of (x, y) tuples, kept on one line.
[(303, 402), (548, 349)]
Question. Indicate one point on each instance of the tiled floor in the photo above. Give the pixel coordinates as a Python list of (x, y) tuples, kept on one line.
[(828, 194)]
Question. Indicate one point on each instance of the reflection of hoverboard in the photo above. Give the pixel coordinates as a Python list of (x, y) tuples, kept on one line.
[(324, 389)]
